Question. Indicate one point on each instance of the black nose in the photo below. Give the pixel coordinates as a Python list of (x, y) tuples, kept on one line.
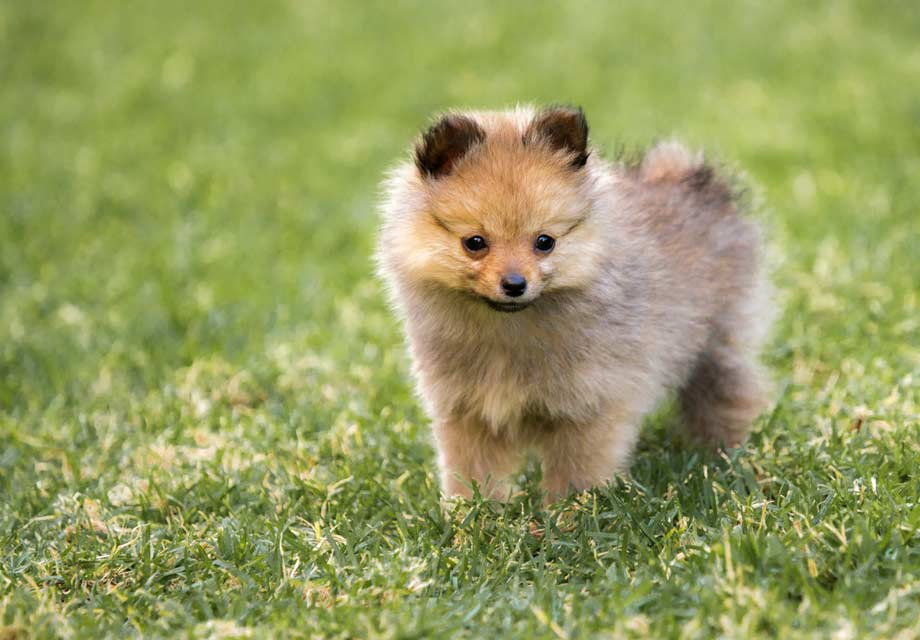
[(514, 285)]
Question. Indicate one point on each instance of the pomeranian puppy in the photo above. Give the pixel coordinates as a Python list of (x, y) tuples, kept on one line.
[(552, 298)]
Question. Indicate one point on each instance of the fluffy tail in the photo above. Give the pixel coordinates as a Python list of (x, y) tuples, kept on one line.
[(671, 163)]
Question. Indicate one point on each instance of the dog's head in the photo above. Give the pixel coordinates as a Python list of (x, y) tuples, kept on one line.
[(497, 205)]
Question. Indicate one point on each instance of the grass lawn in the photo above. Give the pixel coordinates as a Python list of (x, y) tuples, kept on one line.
[(207, 428)]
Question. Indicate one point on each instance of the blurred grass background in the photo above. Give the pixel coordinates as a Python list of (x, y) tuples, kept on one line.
[(206, 424)]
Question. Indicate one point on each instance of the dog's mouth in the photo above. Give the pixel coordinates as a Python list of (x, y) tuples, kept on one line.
[(506, 307)]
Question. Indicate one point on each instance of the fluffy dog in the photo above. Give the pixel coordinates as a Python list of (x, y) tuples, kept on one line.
[(551, 298)]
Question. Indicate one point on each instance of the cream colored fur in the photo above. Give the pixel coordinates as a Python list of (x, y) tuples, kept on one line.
[(653, 284)]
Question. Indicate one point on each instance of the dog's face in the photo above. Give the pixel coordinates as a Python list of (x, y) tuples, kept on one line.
[(498, 207)]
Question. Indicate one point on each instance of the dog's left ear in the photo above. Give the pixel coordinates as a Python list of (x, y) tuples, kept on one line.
[(445, 143), (563, 129)]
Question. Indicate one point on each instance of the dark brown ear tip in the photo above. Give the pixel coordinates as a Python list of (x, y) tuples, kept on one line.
[(573, 110), (572, 114), (445, 143)]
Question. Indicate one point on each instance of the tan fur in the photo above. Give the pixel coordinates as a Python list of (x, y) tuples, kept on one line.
[(653, 284)]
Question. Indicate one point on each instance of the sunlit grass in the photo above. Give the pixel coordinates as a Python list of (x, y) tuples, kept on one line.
[(206, 423)]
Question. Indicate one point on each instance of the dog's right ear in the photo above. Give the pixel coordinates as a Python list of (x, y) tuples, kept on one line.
[(445, 143)]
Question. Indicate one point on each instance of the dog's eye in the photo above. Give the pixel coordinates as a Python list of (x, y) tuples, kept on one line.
[(544, 244), (474, 244)]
